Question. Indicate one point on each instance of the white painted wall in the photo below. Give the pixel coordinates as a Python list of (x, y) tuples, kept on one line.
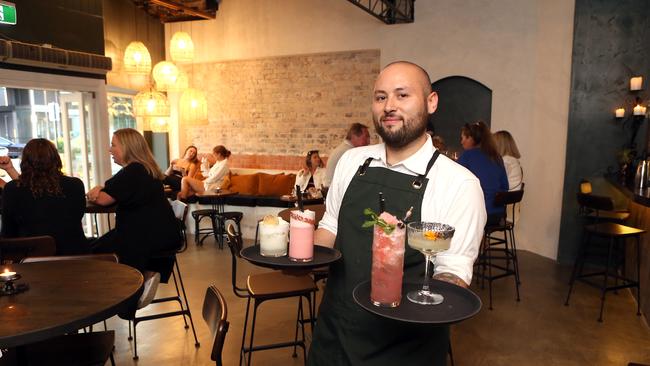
[(521, 49)]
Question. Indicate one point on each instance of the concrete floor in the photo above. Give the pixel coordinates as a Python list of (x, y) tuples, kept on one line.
[(539, 330)]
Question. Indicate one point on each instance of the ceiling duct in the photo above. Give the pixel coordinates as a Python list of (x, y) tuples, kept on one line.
[(19, 53), (389, 11)]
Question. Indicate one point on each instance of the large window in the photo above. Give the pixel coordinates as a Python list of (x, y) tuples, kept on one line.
[(120, 115)]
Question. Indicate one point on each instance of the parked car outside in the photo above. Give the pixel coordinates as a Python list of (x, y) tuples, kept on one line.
[(14, 149)]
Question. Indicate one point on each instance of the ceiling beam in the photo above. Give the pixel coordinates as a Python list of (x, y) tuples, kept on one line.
[(182, 8), (388, 11)]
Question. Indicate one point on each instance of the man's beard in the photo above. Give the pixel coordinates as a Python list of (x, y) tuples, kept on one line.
[(397, 138)]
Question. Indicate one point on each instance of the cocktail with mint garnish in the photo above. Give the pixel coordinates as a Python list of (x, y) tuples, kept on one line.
[(387, 258)]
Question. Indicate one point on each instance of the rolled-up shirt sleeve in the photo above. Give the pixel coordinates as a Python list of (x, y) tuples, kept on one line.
[(467, 215)]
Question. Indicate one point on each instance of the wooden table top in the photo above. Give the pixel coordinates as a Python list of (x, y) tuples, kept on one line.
[(64, 296), (211, 196)]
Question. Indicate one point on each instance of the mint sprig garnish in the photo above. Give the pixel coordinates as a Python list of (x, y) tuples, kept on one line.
[(376, 220)]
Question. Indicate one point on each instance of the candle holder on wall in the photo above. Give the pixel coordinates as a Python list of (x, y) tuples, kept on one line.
[(638, 115)]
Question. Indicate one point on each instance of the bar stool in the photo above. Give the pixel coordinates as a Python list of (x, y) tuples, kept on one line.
[(495, 248), (266, 286), (199, 215), (221, 219), (617, 235)]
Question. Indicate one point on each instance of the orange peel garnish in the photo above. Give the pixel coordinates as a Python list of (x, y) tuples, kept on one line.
[(430, 235)]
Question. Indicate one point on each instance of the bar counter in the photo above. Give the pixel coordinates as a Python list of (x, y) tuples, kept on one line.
[(639, 206)]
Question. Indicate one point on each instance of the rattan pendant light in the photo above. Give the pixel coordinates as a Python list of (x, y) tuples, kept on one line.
[(165, 74), (151, 104), (193, 108), (181, 47), (159, 124), (137, 60), (182, 82)]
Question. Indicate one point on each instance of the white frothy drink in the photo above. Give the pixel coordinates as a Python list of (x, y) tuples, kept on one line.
[(273, 237)]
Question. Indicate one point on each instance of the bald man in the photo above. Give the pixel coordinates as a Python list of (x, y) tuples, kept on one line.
[(409, 171)]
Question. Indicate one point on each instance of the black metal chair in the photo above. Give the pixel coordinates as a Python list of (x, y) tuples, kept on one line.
[(616, 234), (269, 286), (499, 254), (215, 314), (182, 302)]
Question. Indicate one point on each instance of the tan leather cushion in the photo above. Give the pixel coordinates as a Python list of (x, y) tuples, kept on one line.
[(275, 184), (244, 184)]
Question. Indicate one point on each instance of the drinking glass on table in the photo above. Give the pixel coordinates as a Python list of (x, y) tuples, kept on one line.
[(430, 238)]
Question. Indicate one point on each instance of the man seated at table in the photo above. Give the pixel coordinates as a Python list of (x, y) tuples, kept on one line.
[(345, 333)]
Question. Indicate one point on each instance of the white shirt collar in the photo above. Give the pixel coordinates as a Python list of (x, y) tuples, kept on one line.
[(416, 163)]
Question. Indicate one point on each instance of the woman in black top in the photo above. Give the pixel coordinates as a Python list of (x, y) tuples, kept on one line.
[(43, 201), (145, 223)]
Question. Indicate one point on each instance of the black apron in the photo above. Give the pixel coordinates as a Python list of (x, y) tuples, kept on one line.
[(346, 334)]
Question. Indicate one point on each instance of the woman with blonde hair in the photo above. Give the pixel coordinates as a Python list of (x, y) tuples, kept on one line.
[(508, 150), (145, 223), (214, 180)]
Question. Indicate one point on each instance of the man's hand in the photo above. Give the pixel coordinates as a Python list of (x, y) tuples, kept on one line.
[(451, 278)]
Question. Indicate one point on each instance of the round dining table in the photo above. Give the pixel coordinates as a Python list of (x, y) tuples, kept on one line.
[(64, 296)]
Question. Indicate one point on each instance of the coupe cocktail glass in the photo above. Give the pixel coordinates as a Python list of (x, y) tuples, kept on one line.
[(430, 238)]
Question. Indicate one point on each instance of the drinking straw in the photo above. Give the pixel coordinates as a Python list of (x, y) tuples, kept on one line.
[(382, 203), (301, 206)]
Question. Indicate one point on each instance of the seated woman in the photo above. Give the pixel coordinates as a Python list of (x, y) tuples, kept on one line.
[(187, 166), (43, 201), (145, 224), (216, 175), (482, 159), (311, 177), (508, 150)]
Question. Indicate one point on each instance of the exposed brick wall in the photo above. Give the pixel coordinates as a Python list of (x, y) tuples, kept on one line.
[(270, 111)]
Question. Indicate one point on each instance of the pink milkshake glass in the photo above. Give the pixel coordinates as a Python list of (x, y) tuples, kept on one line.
[(301, 235), (387, 267)]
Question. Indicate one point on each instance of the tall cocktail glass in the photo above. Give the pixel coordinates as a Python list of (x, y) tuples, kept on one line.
[(430, 238), (387, 266)]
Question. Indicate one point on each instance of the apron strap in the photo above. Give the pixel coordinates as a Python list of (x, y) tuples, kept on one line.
[(417, 183), (364, 167)]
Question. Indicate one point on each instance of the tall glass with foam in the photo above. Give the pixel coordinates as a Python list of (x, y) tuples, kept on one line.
[(301, 235)]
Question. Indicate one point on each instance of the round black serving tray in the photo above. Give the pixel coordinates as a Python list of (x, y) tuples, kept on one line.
[(459, 304), (322, 257)]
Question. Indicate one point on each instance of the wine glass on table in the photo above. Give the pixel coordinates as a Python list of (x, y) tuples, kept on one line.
[(430, 238)]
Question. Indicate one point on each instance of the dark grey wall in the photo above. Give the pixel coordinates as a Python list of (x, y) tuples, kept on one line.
[(461, 100), (611, 44), (71, 24)]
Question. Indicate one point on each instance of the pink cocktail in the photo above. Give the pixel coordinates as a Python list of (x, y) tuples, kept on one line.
[(301, 235), (387, 266)]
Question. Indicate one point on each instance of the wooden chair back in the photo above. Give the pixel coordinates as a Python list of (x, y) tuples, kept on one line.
[(13, 250), (215, 314), (106, 257)]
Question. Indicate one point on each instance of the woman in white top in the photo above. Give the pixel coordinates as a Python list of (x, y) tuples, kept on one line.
[(313, 174), (216, 175), (510, 153)]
